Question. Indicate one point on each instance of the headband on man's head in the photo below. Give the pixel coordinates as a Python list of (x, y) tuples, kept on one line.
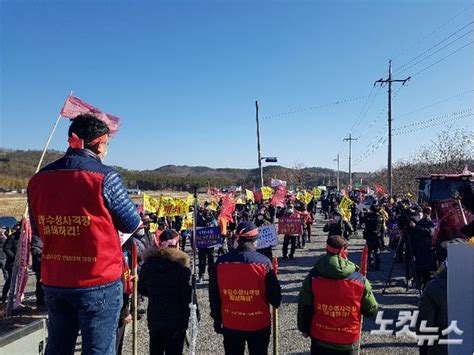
[(78, 143)]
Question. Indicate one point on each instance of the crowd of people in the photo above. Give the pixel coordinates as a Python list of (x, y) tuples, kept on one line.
[(77, 204)]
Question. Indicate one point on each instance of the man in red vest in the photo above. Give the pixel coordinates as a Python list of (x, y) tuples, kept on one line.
[(77, 204), (331, 301), (240, 293)]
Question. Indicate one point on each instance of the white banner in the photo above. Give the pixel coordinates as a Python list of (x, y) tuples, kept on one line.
[(267, 237), (276, 182)]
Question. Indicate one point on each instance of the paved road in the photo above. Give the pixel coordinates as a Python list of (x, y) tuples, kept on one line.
[(291, 277)]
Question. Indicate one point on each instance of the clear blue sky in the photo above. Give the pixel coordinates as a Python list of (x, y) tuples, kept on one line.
[(184, 75)]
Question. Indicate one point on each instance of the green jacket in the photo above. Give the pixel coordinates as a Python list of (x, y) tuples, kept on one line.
[(332, 266)]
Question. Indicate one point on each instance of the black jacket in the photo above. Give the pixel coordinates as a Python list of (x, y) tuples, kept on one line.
[(36, 252), (165, 280), (11, 247), (341, 228), (373, 228), (434, 310), (421, 244)]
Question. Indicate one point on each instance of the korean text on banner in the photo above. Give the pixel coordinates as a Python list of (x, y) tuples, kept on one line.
[(267, 237), (208, 237), (290, 226)]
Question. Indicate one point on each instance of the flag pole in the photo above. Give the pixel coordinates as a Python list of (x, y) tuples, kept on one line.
[(135, 300), (20, 255), (49, 139)]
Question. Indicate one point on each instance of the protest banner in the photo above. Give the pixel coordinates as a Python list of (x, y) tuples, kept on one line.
[(266, 192), (317, 193), (307, 197), (150, 204), (249, 195), (208, 237), (267, 237), (290, 226), (258, 196), (278, 199), (228, 207), (276, 182)]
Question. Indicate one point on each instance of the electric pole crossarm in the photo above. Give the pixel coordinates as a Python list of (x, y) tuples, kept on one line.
[(389, 81)]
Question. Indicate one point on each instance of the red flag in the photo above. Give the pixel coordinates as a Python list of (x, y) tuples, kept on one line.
[(379, 189), (134, 255), (23, 261), (74, 106), (364, 260), (278, 199), (228, 208), (257, 195)]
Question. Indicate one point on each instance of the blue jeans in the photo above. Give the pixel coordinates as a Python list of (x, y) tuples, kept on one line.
[(93, 310)]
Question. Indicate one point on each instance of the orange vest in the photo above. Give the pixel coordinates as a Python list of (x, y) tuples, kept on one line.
[(337, 317), (243, 303), (81, 246)]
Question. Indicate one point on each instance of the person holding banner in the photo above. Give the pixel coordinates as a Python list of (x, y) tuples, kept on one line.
[(165, 280), (240, 294), (77, 204), (331, 301), (290, 238)]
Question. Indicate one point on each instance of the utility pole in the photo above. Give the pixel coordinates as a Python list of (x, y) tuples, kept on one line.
[(258, 145), (337, 159), (389, 81), (350, 139)]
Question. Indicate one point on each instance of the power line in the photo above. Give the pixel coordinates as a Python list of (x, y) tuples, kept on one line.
[(315, 107), (365, 109), (434, 104), (443, 58), (432, 32), (433, 53), (450, 115), (424, 124)]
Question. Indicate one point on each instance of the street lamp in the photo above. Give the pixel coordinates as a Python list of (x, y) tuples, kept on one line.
[(267, 160)]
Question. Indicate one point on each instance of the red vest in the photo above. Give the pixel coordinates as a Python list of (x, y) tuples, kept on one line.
[(81, 247), (242, 289), (337, 315)]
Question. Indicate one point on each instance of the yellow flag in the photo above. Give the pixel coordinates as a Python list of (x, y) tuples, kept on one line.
[(317, 192), (150, 204), (181, 207), (307, 197), (266, 192), (240, 201), (187, 222), (249, 195), (300, 196), (213, 206), (190, 200), (153, 227), (344, 205)]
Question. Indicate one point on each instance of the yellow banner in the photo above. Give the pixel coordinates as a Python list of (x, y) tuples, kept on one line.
[(266, 192), (187, 222), (300, 197), (150, 204), (172, 206), (249, 195)]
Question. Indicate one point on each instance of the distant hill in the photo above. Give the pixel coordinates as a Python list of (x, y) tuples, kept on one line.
[(17, 166)]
